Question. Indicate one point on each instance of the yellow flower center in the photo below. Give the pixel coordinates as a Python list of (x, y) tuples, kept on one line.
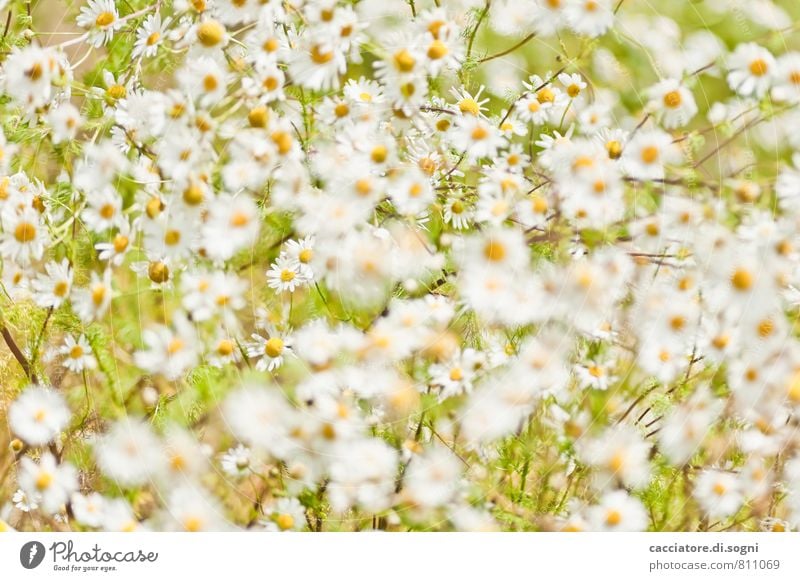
[(545, 95), (673, 99), (435, 27), (720, 341), (43, 481), (271, 45), (98, 294), (379, 154), (614, 149), (794, 387), (766, 328), (283, 140), (172, 237), (117, 91), (258, 117), (239, 219), (192, 524), (742, 279), (107, 211), (274, 347), (35, 72), (120, 243), (437, 50), (758, 68), (177, 463), (285, 521), (225, 347), (404, 61), (25, 232), (596, 371), (650, 154), (469, 107), (613, 517), (193, 195), (210, 83), (158, 272), (175, 346), (617, 462), (479, 133), (210, 33), (494, 251), (61, 288), (104, 19), (320, 57)]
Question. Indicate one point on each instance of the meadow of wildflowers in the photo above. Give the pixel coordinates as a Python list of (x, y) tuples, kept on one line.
[(326, 265)]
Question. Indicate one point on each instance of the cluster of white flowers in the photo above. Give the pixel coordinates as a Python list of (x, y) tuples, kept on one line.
[(400, 264)]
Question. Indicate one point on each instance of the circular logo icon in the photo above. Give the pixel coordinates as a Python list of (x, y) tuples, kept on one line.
[(31, 554)]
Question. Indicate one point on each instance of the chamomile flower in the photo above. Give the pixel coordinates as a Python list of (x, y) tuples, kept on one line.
[(191, 509), (115, 250), (88, 509), (476, 137), (48, 481), (617, 512), (573, 84), (150, 35), (237, 462), (751, 70), (169, 351), (54, 285), (102, 20), (621, 454), (103, 210), (38, 415), (24, 236), (719, 493), (787, 78), (64, 121), (92, 302), (287, 514), (232, 225), (458, 212), (317, 63), (431, 479), (130, 453), (303, 252), (673, 103), (589, 17), (648, 153), (285, 274), (77, 354), (270, 351)]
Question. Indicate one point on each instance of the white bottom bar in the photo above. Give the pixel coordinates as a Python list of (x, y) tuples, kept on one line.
[(395, 556)]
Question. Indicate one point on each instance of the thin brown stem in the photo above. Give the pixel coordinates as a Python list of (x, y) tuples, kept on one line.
[(509, 50), (18, 354)]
